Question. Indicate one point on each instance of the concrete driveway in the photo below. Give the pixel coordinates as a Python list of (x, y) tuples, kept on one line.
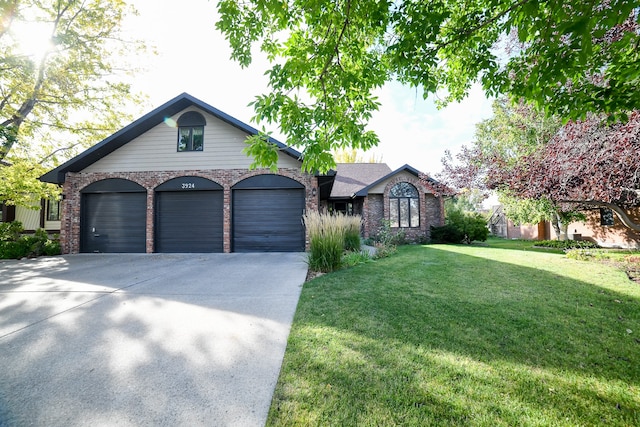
[(131, 340)]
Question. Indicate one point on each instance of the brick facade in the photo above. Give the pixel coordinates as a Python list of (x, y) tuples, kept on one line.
[(373, 214), (376, 209), (75, 182)]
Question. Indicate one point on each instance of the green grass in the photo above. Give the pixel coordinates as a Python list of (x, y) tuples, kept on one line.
[(442, 335)]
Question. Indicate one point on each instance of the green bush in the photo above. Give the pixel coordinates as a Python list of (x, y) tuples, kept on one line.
[(386, 237), (15, 246), (52, 248), (10, 231), (351, 259), (461, 227), (446, 234)]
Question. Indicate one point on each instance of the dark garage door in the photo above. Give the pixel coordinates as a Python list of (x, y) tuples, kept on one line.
[(268, 218), (189, 216), (114, 213)]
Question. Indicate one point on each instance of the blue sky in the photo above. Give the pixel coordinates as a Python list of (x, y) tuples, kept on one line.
[(193, 57)]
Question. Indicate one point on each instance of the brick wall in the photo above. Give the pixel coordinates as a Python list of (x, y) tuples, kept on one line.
[(75, 182), (431, 208)]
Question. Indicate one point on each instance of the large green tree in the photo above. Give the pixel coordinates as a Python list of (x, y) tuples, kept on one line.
[(566, 57), (500, 146), (62, 86)]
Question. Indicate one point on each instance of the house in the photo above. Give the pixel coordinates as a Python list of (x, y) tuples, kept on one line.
[(601, 226), (501, 226), (47, 216), (377, 193), (177, 180)]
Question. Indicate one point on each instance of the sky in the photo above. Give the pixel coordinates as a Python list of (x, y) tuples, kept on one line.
[(193, 57)]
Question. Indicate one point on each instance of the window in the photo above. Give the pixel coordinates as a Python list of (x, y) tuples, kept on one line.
[(53, 210), (343, 207), (404, 206), (606, 217), (191, 132)]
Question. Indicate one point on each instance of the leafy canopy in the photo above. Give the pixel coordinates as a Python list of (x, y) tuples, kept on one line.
[(63, 86), (567, 57), (542, 169)]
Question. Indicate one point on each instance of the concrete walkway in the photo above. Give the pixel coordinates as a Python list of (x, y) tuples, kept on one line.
[(132, 340)]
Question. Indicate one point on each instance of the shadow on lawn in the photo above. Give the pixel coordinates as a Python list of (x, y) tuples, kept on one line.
[(441, 336)]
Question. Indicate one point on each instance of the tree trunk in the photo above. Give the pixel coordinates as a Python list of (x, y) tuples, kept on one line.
[(557, 227)]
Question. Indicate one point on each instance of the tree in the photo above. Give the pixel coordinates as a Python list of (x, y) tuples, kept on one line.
[(352, 155), (566, 57), (501, 144), (62, 86), (587, 163), (582, 164)]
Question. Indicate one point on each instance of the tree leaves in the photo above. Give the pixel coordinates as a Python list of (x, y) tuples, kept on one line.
[(571, 57), (71, 97)]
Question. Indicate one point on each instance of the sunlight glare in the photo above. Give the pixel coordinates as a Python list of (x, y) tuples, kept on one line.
[(32, 38)]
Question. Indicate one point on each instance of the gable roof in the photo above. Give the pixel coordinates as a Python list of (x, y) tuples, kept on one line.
[(142, 125), (352, 177), (406, 168)]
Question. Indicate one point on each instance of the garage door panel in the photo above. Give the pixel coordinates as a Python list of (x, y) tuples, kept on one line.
[(113, 222), (189, 221), (266, 220)]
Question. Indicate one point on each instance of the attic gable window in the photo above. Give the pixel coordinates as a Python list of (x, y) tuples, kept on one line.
[(191, 131), (404, 202)]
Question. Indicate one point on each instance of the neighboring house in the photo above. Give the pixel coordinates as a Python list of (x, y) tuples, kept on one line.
[(47, 216), (601, 226), (501, 226), (177, 180)]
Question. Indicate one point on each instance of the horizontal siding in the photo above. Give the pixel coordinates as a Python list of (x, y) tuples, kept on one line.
[(155, 150)]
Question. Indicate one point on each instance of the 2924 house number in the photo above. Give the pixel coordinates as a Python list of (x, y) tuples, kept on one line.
[(188, 185)]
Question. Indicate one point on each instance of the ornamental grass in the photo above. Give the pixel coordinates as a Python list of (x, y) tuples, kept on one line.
[(330, 235)]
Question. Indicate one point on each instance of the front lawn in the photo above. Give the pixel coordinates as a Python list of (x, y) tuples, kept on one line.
[(464, 335)]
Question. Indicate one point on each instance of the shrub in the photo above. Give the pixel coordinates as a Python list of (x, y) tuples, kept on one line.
[(386, 237), (446, 234), (461, 227), (52, 247), (29, 246), (10, 231), (566, 244)]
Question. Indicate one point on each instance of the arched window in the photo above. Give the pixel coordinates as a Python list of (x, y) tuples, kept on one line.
[(404, 205), (191, 131)]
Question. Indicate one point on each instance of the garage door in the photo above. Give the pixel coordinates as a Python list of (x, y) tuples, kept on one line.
[(189, 216), (113, 218), (267, 215)]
